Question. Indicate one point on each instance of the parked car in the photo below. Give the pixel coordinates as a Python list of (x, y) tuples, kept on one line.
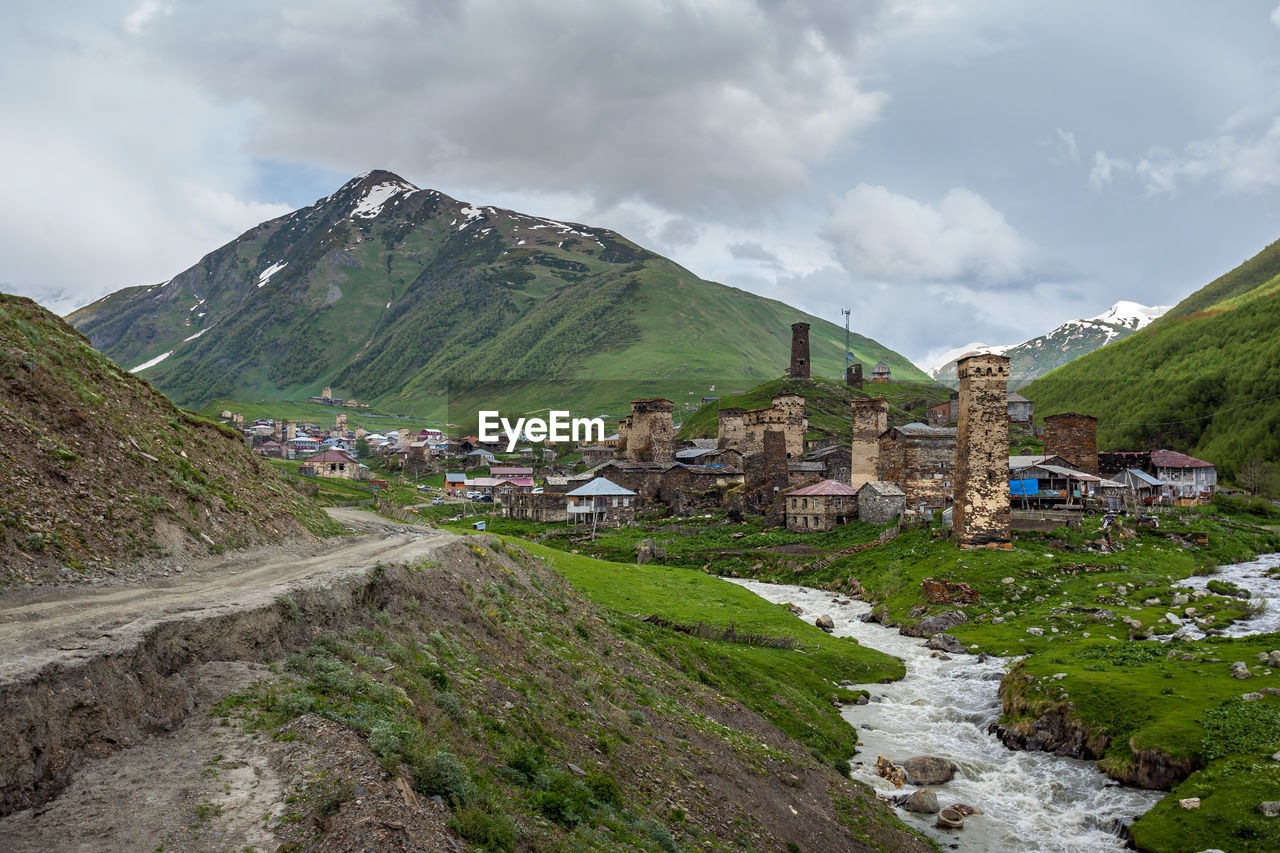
[(437, 501)]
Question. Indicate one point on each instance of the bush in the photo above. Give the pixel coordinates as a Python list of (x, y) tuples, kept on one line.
[(490, 832), (441, 773)]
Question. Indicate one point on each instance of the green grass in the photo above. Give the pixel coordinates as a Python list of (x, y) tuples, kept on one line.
[(758, 676)]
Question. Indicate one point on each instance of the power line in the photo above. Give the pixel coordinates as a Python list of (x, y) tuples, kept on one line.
[(1194, 420)]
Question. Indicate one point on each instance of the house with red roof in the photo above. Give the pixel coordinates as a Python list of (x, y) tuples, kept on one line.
[(1184, 477), (821, 506)]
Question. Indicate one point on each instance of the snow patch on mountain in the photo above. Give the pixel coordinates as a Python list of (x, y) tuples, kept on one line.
[(152, 363), (1131, 315), (934, 365), (270, 271), (371, 204)]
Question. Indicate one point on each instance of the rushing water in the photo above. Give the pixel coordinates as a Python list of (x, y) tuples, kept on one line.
[(1030, 801), (1264, 591)]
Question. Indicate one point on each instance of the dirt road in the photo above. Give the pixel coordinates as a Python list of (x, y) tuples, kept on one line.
[(62, 624)]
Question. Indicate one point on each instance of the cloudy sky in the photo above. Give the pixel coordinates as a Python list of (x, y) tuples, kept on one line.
[(952, 170)]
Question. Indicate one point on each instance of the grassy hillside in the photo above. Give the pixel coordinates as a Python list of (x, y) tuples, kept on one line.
[(97, 468), (826, 404), (1203, 379), (427, 306)]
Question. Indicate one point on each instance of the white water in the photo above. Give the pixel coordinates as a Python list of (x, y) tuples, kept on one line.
[(1264, 590), (1030, 801)]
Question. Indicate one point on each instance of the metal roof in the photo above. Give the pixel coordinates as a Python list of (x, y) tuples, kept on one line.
[(1141, 476), (1174, 459), (455, 478), (694, 452), (599, 486), (1069, 473), (826, 487)]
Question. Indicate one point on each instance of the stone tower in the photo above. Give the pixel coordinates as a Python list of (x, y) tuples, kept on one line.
[(731, 432), (340, 424), (799, 368), (870, 418), (1074, 438), (980, 516), (327, 393), (650, 431), (853, 375)]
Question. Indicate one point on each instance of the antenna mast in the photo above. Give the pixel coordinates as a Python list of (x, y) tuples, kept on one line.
[(848, 356)]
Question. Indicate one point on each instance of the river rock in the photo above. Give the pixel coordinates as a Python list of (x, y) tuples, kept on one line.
[(886, 769), (1270, 691), (1179, 600), (1038, 632), (940, 622), (1190, 803), (922, 801), (1172, 619), (965, 810), (944, 643), (1269, 808), (950, 819), (825, 622), (929, 770)]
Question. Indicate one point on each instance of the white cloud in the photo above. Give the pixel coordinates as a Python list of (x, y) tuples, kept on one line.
[(1275, 17), (1239, 166), (136, 21), (1104, 169), (1068, 140), (878, 234)]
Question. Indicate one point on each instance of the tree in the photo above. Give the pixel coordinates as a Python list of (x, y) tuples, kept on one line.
[(362, 446), (1256, 476)]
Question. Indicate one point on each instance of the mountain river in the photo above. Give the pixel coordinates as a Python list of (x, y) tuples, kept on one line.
[(1030, 801)]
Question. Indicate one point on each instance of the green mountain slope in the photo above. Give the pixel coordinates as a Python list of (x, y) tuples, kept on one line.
[(98, 469), (416, 302), (1203, 379)]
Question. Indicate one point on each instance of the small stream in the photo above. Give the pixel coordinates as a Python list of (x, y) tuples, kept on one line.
[(1029, 800)]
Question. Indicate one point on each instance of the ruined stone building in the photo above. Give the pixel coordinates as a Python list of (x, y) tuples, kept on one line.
[(870, 419), (821, 506), (920, 459), (853, 376), (743, 430), (1075, 438), (799, 368), (833, 462), (646, 435), (981, 515)]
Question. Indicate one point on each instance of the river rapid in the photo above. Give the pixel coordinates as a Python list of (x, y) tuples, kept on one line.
[(1264, 591), (1030, 801)]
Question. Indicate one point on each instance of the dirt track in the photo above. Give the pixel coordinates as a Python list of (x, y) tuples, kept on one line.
[(63, 624)]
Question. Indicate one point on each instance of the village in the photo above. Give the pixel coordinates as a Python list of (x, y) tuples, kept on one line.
[(764, 463)]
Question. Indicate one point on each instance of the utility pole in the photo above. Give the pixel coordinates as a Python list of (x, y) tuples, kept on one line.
[(848, 356)]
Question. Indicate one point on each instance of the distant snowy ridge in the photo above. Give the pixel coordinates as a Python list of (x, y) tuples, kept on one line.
[(1131, 315), (936, 365)]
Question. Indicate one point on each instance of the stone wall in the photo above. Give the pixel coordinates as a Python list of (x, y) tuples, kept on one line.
[(853, 376), (799, 368), (1075, 438), (786, 416), (919, 460), (544, 507), (731, 433), (648, 431), (876, 508), (980, 517), (870, 418), (815, 513)]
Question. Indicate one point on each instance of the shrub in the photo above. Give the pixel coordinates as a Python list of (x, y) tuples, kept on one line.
[(490, 832), (441, 773)]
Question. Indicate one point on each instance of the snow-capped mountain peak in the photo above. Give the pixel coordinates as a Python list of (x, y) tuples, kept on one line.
[(1131, 315)]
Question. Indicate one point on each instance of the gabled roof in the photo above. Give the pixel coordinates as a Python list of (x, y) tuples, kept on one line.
[(1028, 461), (880, 487), (826, 487), (1015, 397), (455, 478), (600, 486), (706, 443), (480, 451), (925, 430), (694, 452), (1174, 459), (330, 456), (511, 470)]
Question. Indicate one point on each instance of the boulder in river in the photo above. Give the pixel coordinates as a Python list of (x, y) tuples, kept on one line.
[(937, 623), (965, 810), (945, 643), (929, 770), (886, 769), (825, 622), (922, 801)]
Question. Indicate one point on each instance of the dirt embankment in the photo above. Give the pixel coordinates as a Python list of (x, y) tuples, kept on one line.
[(105, 740), (85, 672)]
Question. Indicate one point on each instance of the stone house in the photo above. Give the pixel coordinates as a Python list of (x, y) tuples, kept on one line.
[(594, 454), (880, 502), (334, 464), (821, 506), (543, 507), (920, 460)]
